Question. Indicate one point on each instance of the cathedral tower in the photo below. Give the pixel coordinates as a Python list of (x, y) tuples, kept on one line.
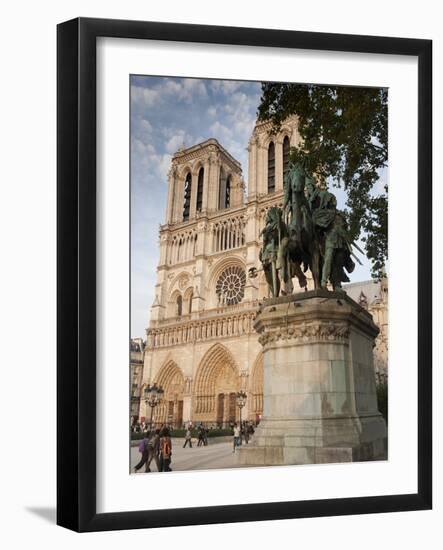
[(201, 346)]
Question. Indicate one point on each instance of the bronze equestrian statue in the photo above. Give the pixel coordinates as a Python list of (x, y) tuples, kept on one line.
[(309, 232)]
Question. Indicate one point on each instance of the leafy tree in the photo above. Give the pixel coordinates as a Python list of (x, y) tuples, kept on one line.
[(344, 133)]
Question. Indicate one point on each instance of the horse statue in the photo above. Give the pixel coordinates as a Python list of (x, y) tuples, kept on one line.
[(280, 257), (300, 247), (309, 232)]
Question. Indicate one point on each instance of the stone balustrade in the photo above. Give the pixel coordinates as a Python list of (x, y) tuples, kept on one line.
[(228, 233), (221, 326), (182, 247)]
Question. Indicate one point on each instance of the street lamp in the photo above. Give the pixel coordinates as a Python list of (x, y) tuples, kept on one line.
[(241, 402), (153, 397), (135, 404)]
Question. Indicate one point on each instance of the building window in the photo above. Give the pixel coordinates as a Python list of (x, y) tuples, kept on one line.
[(271, 168), (224, 192), (230, 287), (179, 305), (286, 148), (200, 190), (190, 302), (228, 192), (187, 197)]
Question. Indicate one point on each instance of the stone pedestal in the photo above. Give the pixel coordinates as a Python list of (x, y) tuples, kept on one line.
[(320, 403)]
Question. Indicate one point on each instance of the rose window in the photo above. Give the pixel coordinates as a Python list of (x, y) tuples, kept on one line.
[(230, 286)]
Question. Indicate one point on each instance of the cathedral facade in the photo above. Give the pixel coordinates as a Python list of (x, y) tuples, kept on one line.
[(200, 345)]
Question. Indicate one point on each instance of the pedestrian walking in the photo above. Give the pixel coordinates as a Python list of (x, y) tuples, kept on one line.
[(250, 430), (144, 450), (188, 438), (201, 436), (154, 451), (236, 437), (165, 451), (246, 432)]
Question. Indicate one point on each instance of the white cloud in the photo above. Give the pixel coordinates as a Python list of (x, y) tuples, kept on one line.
[(138, 147), (238, 103), (171, 87), (146, 161), (177, 138), (220, 131), (174, 143), (194, 88), (146, 126), (144, 97), (226, 86), (187, 89), (164, 164)]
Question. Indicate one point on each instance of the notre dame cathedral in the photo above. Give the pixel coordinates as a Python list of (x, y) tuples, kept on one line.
[(200, 344)]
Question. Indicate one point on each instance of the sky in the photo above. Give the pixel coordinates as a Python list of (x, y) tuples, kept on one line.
[(166, 114)]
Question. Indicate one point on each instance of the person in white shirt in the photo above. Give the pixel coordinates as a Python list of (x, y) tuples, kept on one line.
[(236, 437), (188, 438)]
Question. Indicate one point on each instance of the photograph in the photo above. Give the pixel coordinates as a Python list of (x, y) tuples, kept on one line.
[(221, 227), (259, 274)]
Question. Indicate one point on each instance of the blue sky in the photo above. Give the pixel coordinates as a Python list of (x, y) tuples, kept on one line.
[(166, 114)]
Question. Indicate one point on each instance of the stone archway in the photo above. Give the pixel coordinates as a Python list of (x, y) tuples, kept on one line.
[(170, 411), (216, 383), (257, 379)]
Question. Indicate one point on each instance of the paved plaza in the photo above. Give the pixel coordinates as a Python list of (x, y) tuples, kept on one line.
[(216, 455)]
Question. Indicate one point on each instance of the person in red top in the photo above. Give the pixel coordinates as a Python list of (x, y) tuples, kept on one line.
[(165, 451)]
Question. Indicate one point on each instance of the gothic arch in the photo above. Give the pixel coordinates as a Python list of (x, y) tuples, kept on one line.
[(185, 275), (196, 168), (170, 411), (200, 175), (188, 292), (266, 140), (172, 303), (285, 154), (224, 188), (187, 194), (285, 131), (187, 300), (212, 363), (168, 372), (184, 171), (271, 165), (216, 382)]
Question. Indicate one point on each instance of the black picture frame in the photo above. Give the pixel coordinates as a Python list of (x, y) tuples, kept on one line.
[(76, 279)]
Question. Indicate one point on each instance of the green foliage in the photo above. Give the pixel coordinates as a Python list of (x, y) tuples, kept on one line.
[(344, 133), (382, 398), (220, 432)]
